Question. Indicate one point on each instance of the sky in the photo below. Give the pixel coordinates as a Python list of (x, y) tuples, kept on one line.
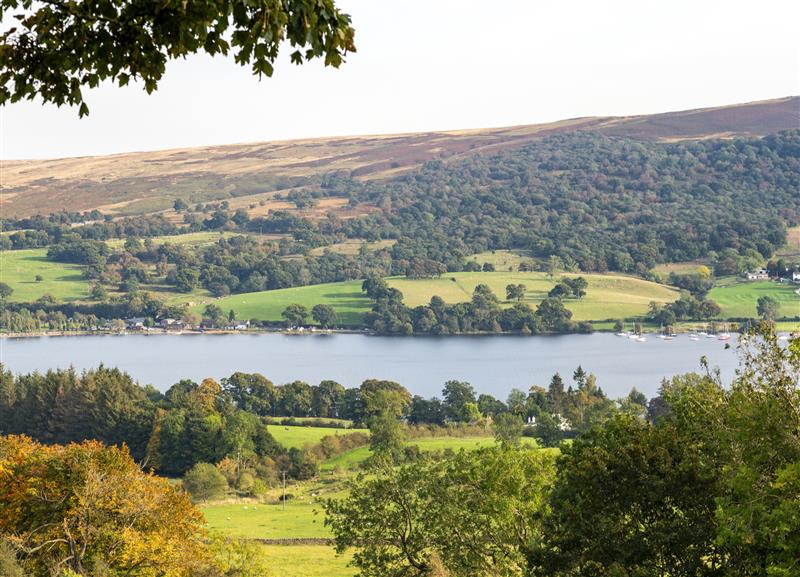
[(427, 65)]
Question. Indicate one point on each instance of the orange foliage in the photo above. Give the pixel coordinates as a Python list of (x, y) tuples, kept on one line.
[(80, 506)]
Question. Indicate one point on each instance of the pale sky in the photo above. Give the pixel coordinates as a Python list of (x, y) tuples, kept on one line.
[(446, 64)]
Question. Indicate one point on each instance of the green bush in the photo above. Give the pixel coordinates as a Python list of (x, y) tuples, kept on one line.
[(204, 481)]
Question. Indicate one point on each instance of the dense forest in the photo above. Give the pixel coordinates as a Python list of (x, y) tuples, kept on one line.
[(605, 203)]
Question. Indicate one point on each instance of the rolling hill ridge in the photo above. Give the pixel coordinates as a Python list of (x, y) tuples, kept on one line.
[(254, 174)]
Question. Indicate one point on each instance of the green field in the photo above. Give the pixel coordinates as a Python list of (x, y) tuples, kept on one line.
[(192, 238), (346, 297), (352, 459), (608, 296), (502, 260), (299, 437), (302, 519), (18, 269), (307, 561), (679, 268), (738, 298)]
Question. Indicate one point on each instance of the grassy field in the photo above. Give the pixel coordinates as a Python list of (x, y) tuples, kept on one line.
[(303, 517), (503, 260), (191, 238), (307, 561), (738, 298), (352, 459), (352, 247), (346, 297), (18, 269), (299, 437), (678, 267), (792, 248), (608, 296)]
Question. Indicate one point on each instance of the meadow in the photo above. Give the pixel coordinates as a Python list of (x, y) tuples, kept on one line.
[(737, 298), (352, 459), (190, 238), (303, 517), (299, 437), (307, 561), (19, 268), (608, 296)]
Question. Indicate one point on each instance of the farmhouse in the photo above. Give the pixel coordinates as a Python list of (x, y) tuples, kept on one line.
[(135, 323), (172, 324), (760, 274)]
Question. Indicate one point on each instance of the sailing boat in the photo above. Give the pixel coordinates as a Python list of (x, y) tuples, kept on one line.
[(724, 335)]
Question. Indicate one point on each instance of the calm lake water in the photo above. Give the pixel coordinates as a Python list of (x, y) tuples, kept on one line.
[(493, 364)]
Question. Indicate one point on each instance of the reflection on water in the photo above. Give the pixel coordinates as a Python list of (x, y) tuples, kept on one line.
[(493, 364)]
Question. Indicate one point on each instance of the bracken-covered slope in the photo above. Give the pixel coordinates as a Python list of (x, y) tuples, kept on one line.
[(252, 174)]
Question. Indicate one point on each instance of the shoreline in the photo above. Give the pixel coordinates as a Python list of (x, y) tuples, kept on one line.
[(690, 327)]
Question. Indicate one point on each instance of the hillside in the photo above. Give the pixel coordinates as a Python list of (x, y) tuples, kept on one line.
[(251, 175), (608, 296)]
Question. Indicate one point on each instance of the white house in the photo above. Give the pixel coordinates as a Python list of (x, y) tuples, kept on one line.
[(796, 277), (760, 274)]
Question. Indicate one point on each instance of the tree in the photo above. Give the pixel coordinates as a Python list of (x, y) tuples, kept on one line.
[(296, 398), (403, 521), (325, 315), (179, 205), (758, 432), (326, 399), (657, 513), (99, 292), (253, 393), (768, 307), (508, 429), (386, 437), (295, 315), (554, 264), (214, 314), (123, 41), (554, 316), (204, 481), (5, 291), (515, 292), (91, 510), (456, 395)]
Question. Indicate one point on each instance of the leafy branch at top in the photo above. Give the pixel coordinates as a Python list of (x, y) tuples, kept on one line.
[(54, 48)]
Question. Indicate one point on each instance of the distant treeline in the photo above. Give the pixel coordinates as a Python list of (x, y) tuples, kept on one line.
[(194, 423), (482, 313)]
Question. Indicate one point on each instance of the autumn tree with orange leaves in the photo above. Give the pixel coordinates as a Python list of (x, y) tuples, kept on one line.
[(87, 509)]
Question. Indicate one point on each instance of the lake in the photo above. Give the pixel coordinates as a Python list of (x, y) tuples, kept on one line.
[(493, 364)]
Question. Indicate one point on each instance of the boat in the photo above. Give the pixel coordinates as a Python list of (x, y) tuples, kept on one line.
[(694, 337), (724, 335), (641, 339)]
